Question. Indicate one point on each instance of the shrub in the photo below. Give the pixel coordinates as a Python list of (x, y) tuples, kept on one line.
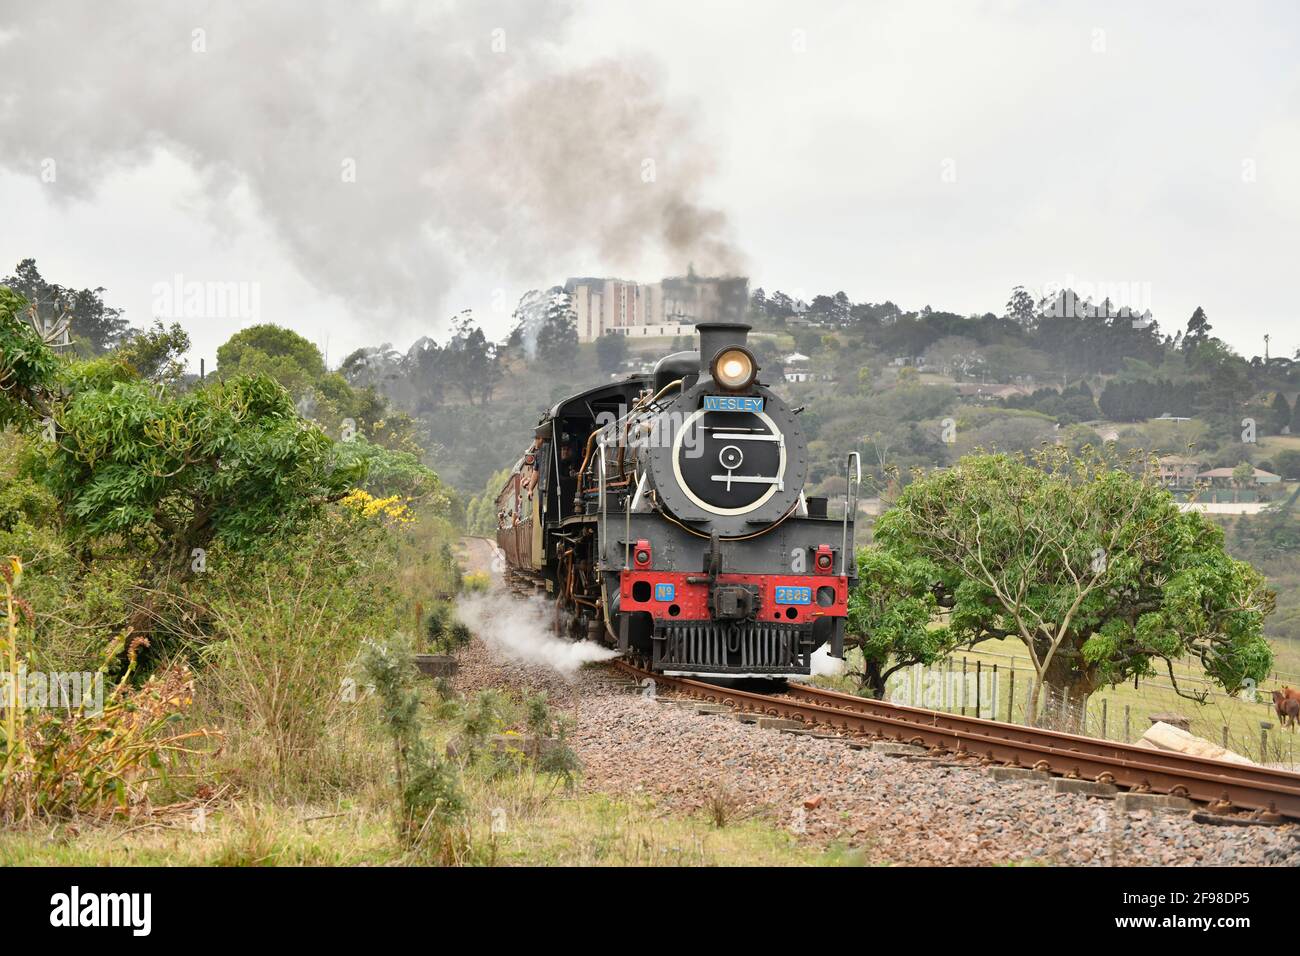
[(430, 804), (444, 633), (88, 755), (482, 717), (558, 758)]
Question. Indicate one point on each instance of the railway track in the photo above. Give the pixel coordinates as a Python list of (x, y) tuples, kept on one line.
[(1272, 795)]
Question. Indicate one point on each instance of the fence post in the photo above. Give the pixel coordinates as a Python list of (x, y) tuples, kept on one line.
[(993, 704), (1263, 740), (963, 686), (1126, 724), (978, 676), (1103, 718), (1225, 736), (1011, 696)]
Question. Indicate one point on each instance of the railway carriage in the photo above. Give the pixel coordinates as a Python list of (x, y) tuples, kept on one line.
[(666, 515)]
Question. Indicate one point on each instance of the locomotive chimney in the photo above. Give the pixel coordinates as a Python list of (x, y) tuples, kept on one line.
[(716, 336)]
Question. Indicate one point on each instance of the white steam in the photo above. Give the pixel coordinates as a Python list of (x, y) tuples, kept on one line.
[(519, 629), (823, 665)]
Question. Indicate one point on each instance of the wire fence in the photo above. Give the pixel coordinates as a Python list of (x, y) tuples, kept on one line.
[(1003, 691)]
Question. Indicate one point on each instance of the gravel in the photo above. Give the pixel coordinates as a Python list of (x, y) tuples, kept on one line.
[(893, 810)]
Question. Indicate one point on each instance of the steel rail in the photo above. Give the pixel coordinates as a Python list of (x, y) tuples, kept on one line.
[(1058, 740), (1197, 778)]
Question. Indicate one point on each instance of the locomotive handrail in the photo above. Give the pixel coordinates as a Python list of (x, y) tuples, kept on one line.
[(853, 478), (600, 446), (627, 530), (559, 485)]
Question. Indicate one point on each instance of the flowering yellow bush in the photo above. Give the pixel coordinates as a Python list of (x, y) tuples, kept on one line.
[(366, 505), (477, 581)]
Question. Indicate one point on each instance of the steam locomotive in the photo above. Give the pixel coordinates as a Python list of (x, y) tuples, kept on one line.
[(666, 515)]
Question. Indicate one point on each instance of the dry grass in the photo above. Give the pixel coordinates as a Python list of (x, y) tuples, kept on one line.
[(721, 806), (508, 826)]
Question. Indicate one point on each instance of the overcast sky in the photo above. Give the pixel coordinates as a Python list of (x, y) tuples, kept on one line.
[(369, 169)]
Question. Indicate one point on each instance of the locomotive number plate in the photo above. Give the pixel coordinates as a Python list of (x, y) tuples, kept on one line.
[(788, 594), (665, 592), (733, 403)]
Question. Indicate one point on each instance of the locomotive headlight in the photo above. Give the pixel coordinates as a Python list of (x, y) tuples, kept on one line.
[(734, 368)]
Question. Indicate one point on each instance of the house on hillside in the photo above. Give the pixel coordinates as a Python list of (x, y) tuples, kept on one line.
[(796, 368), (988, 393), (1177, 471), (1224, 478)]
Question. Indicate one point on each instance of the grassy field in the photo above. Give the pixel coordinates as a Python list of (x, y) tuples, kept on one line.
[(1116, 713), (1275, 443)]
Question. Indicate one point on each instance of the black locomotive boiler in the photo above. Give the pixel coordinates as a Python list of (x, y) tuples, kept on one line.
[(666, 515)]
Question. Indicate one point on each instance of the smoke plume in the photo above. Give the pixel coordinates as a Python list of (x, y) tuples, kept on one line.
[(390, 144)]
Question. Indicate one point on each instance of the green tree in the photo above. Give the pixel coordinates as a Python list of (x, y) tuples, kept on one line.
[(388, 472), (280, 353), (1021, 433), (1198, 330), (557, 340), (471, 360), (230, 463), (890, 612), (95, 325), (1287, 464), (1095, 571), (1020, 307), (481, 515), (27, 365), (156, 353), (611, 352), (425, 363)]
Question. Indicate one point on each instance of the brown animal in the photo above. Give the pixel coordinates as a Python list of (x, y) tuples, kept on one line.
[(1287, 708), (1292, 708)]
